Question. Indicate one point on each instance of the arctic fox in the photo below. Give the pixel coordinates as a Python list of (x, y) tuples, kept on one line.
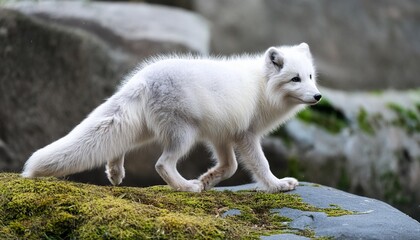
[(226, 103)]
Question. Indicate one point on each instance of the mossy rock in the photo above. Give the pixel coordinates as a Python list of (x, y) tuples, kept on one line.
[(48, 208), (324, 115), (406, 118)]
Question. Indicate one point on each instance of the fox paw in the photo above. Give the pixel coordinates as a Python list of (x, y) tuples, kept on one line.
[(282, 185), (115, 174), (192, 186)]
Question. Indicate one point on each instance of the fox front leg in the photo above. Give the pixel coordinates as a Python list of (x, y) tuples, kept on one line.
[(253, 159), (115, 170)]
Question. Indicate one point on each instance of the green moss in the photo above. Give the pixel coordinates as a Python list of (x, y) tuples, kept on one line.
[(407, 118), (324, 115), (377, 92), (48, 208), (363, 121), (315, 185), (418, 107)]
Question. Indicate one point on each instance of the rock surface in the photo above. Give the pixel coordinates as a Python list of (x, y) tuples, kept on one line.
[(357, 44), (137, 28), (373, 219)]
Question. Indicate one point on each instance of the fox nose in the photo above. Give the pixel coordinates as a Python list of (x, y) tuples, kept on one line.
[(317, 96)]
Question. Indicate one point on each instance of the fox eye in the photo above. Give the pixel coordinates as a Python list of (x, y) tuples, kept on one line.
[(295, 79), (310, 76)]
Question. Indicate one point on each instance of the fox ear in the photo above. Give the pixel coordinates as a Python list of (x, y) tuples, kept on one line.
[(304, 47), (274, 58)]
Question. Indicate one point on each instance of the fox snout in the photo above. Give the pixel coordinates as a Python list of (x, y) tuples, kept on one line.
[(317, 97)]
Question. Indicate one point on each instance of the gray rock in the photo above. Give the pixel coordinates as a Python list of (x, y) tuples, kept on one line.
[(50, 78), (357, 44), (6, 157), (137, 28), (286, 236), (373, 219), (231, 212)]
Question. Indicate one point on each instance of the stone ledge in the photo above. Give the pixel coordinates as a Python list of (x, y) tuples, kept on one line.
[(125, 24)]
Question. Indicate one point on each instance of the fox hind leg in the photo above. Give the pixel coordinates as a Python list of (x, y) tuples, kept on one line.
[(177, 145), (226, 166), (115, 170)]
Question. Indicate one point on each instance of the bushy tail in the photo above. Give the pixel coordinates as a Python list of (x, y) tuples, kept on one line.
[(108, 132)]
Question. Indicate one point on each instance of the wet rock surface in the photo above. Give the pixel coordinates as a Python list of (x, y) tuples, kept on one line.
[(372, 219)]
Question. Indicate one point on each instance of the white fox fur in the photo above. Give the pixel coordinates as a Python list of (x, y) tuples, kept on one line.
[(228, 103)]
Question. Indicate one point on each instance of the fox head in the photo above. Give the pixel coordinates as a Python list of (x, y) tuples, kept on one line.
[(291, 75)]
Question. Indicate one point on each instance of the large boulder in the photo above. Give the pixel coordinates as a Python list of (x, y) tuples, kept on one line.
[(50, 78), (59, 60), (357, 44), (136, 28)]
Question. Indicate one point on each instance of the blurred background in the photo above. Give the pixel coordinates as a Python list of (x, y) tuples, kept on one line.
[(61, 59)]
